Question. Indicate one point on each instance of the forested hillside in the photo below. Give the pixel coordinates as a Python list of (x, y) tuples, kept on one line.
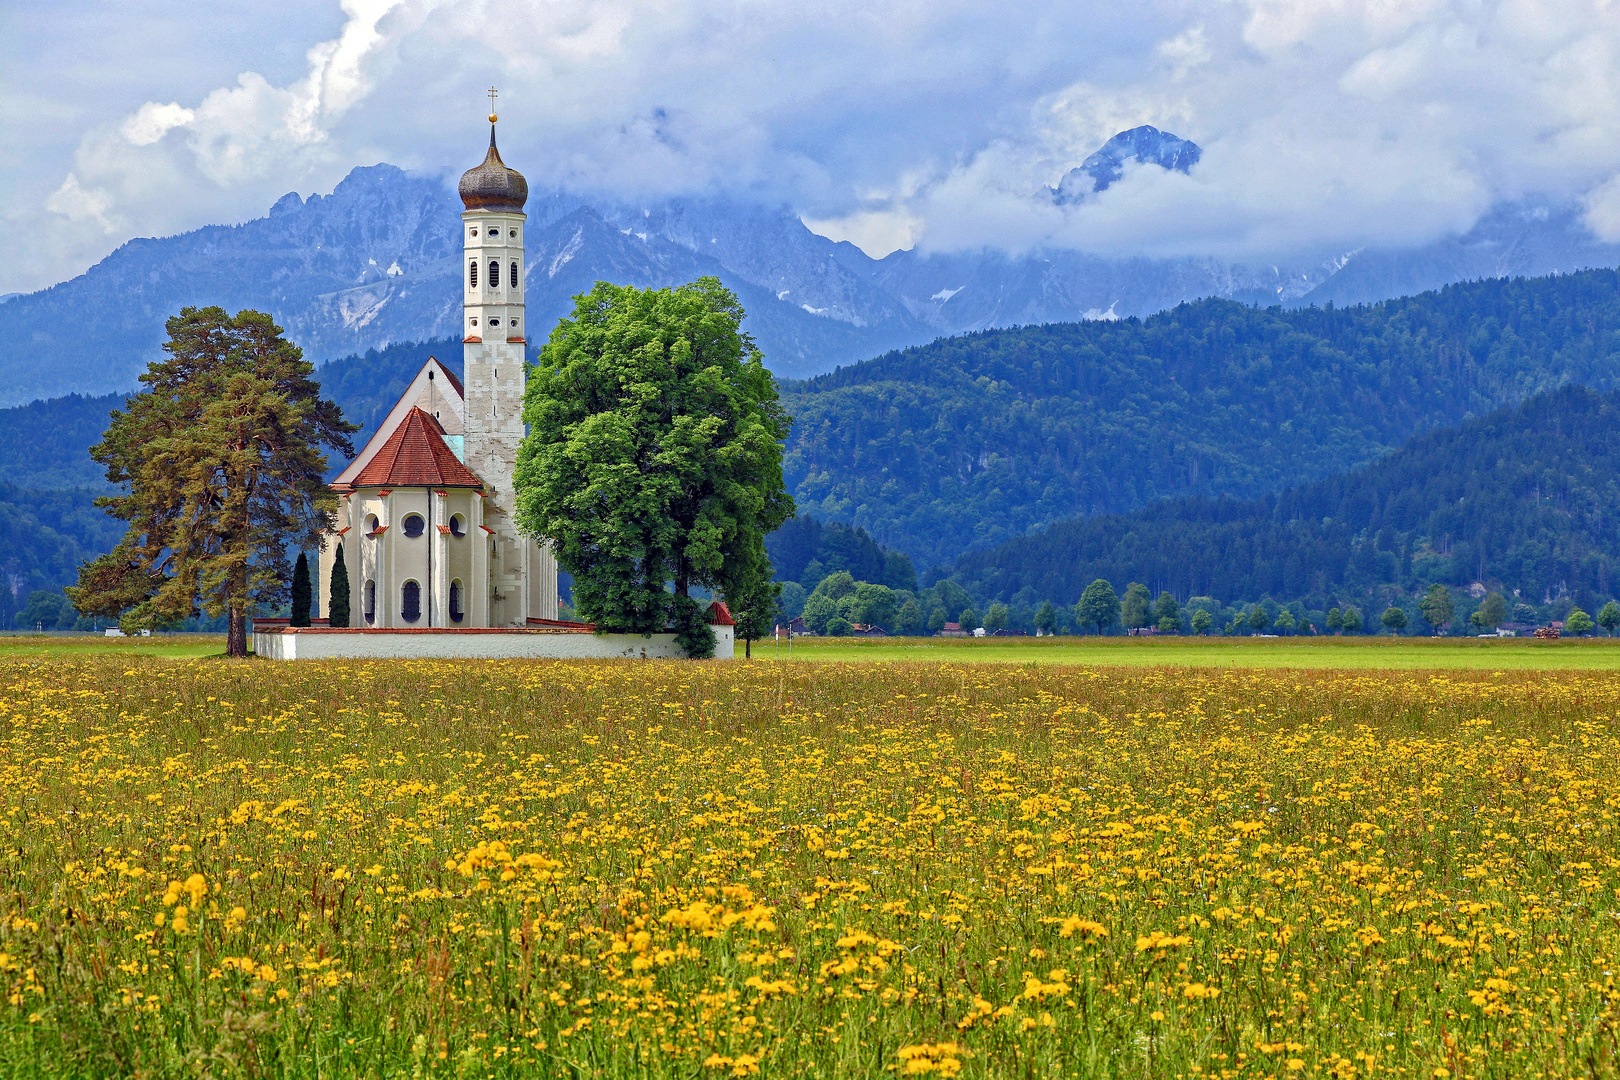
[(976, 440), (1526, 500)]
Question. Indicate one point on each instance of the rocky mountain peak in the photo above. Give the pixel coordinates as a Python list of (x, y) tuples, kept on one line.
[(1145, 144)]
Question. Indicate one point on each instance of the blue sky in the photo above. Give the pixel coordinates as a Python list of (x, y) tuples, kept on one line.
[(1327, 124)]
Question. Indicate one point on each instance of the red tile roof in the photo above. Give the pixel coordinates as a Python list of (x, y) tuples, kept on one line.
[(416, 455), (720, 615)]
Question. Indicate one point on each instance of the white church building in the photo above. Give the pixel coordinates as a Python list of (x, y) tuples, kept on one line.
[(426, 512)]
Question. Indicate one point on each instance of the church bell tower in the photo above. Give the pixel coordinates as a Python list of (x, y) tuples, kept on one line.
[(523, 575)]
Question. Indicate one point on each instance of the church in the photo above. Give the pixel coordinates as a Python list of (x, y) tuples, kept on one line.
[(425, 513)]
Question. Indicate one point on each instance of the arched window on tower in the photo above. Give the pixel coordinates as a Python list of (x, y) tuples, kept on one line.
[(410, 607), (494, 273), (513, 280), (472, 274)]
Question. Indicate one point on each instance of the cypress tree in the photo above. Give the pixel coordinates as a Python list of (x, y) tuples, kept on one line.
[(300, 591), (337, 604)]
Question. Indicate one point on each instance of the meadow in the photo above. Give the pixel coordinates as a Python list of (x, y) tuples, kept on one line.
[(1361, 653), (215, 868)]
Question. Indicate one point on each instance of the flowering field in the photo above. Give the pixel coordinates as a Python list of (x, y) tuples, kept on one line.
[(714, 870)]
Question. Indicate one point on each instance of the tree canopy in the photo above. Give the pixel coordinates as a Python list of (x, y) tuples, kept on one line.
[(653, 462), (221, 458)]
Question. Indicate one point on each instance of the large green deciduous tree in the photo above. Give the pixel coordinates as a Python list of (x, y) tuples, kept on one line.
[(221, 455), (1098, 606), (653, 462), (1437, 607)]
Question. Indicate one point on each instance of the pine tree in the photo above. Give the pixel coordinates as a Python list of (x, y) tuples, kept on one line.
[(221, 455), (300, 591), (337, 600)]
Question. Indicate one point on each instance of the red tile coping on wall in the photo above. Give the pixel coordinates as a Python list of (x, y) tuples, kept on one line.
[(568, 624), (472, 341), (517, 341)]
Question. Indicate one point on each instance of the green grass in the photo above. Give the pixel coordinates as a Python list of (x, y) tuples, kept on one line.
[(172, 646), (1353, 653)]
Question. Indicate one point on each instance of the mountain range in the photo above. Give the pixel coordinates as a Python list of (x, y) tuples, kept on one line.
[(1079, 432), (975, 440), (377, 263)]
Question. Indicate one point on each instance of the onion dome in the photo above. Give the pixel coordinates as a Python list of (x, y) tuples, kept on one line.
[(493, 186)]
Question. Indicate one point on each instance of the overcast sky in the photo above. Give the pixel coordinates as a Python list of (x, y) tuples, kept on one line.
[(1326, 124)]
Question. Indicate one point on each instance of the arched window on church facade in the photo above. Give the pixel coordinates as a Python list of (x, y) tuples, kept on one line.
[(410, 606), (369, 601), (472, 274), (456, 613)]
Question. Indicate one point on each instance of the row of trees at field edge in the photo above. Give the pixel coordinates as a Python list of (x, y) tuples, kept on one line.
[(653, 466), (840, 601)]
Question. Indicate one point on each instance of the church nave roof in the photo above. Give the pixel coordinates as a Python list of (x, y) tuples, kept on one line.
[(416, 455)]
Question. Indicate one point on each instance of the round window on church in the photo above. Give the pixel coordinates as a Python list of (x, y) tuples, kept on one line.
[(456, 526), (412, 525), (371, 524)]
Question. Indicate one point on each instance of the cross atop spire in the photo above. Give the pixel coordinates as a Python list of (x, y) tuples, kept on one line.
[(493, 93)]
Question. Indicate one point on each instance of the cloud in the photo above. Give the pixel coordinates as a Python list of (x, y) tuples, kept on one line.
[(1326, 124), (153, 121)]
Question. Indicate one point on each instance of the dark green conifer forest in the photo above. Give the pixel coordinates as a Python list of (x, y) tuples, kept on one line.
[(1525, 500), (975, 440)]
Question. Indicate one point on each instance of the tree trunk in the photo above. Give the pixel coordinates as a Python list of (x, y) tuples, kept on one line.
[(236, 634), (748, 648)]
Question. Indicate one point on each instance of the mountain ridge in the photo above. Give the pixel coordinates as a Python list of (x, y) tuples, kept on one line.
[(376, 263), (975, 440)]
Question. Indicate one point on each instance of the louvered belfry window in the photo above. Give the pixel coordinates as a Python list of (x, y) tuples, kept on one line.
[(472, 275), (494, 273)]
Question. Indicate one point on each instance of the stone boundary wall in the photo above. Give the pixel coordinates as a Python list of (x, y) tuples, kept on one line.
[(319, 643)]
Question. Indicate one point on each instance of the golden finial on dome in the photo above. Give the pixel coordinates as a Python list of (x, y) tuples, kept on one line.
[(492, 95)]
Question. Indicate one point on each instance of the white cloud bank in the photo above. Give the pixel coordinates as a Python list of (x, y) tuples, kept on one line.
[(1326, 124)]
